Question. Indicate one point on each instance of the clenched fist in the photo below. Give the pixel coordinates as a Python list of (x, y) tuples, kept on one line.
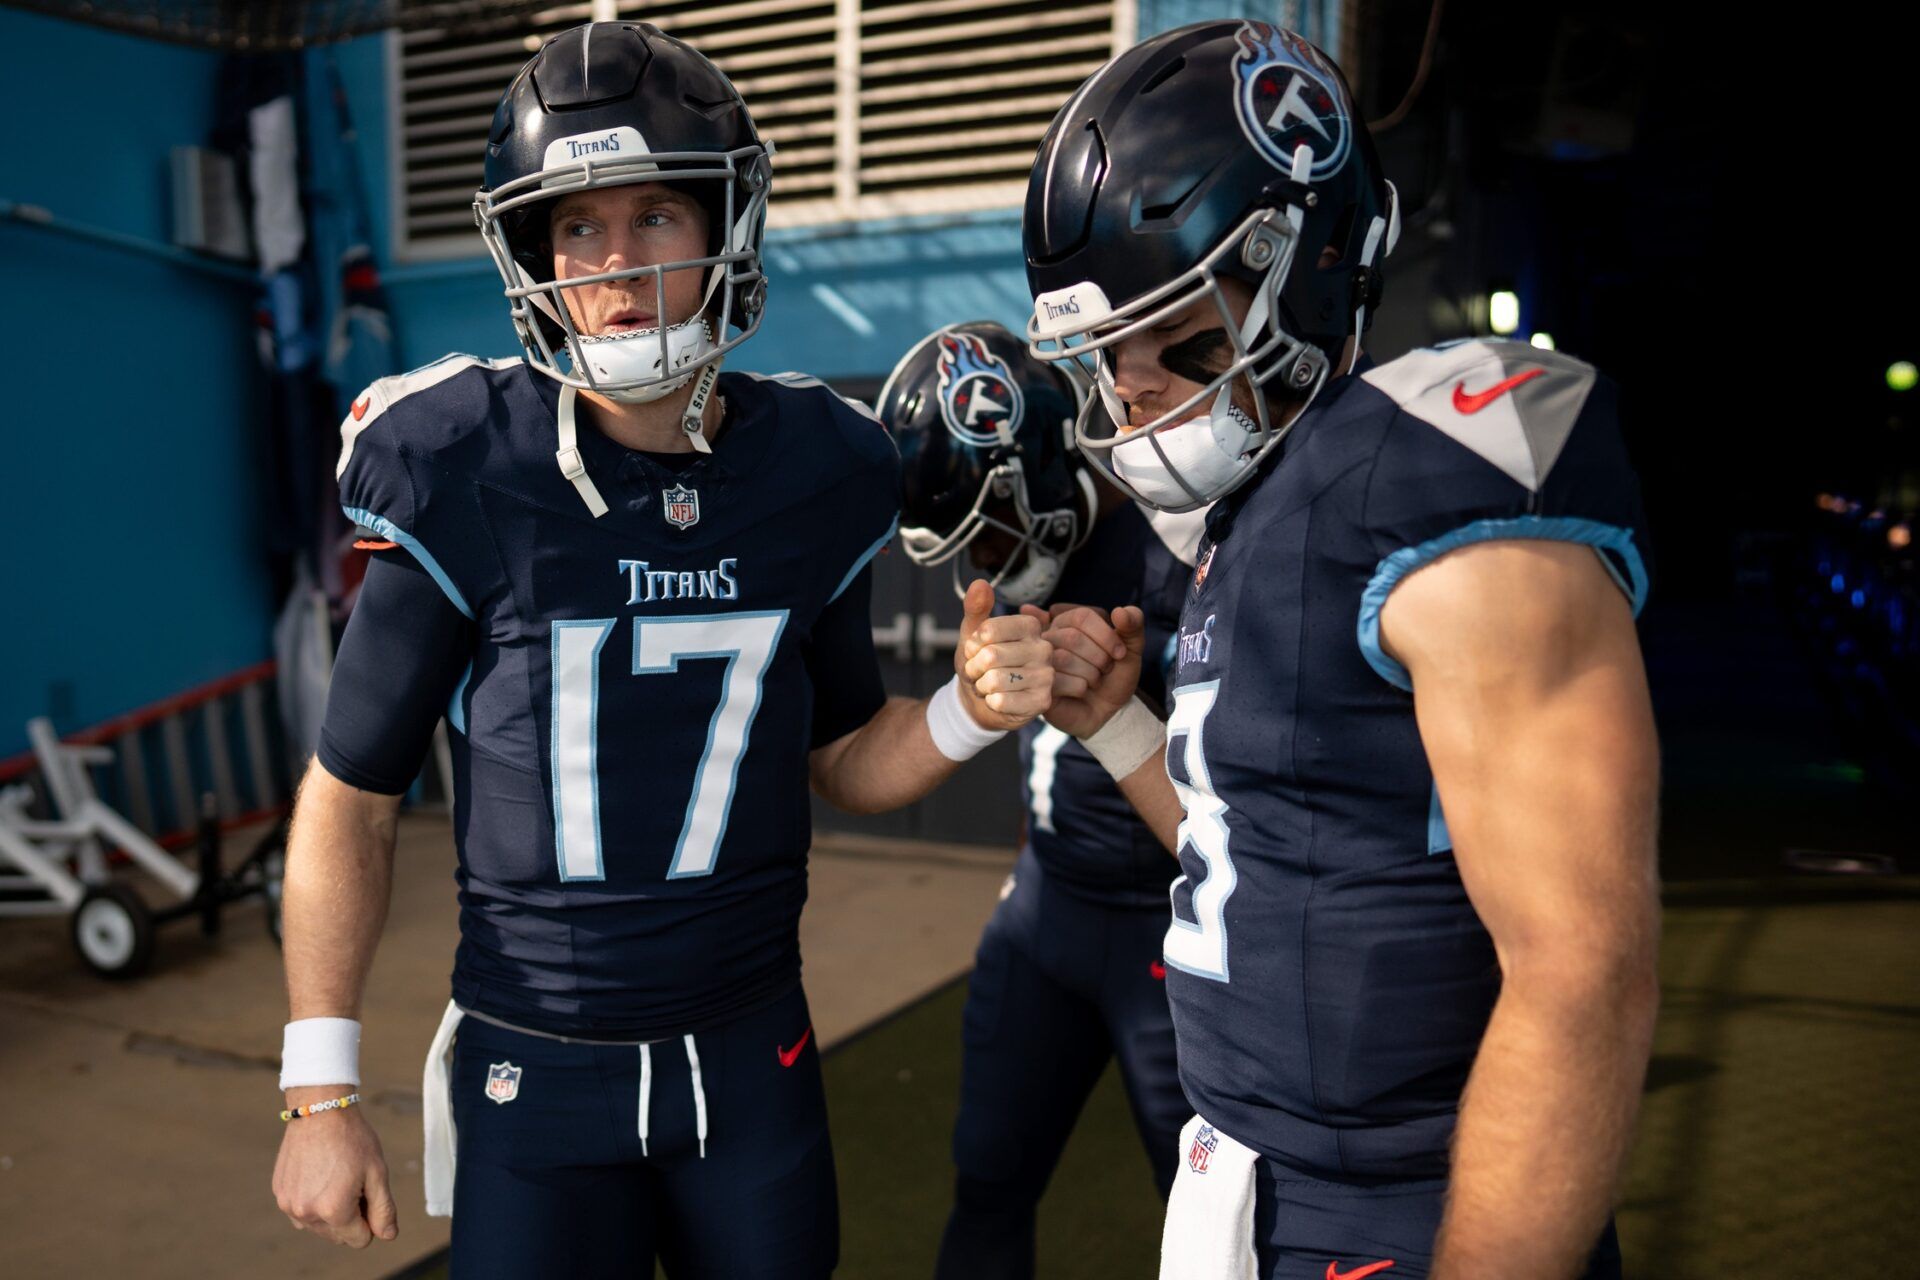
[(331, 1178), (1005, 665)]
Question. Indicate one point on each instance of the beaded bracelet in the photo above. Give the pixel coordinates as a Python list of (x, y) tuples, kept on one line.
[(315, 1108)]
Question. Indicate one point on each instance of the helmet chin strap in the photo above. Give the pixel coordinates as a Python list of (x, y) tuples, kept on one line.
[(572, 465), (695, 417), (1387, 228)]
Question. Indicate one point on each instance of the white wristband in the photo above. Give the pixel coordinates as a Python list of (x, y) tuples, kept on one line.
[(953, 730), (320, 1051), (1133, 737)]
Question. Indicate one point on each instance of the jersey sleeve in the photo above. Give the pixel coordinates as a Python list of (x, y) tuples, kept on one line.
[(405, 652), (399, 491), (1496, 440), (842, 664)]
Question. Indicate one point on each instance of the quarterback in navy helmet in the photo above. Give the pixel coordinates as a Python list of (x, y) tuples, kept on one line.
[(638, 590)]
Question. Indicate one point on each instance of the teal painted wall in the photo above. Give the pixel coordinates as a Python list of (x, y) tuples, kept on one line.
[(129, 528)]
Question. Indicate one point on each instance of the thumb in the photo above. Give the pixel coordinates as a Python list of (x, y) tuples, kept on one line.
[(383, 1218), (1131, 624), (1035, 611), (978, 606)]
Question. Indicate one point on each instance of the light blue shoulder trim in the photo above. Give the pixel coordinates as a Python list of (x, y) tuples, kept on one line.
[(1439, 839), (1601, 537), (394, 533), (865, 559)]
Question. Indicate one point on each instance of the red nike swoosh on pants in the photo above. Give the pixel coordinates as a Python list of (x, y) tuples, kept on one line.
[(790, 1056), (1358, 1273)]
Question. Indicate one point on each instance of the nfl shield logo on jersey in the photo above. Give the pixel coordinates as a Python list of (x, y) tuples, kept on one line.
[(1204, 1141), (682, 506), (503, 1081)]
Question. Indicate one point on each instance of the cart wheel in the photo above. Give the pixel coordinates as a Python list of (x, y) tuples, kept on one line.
[(113, 931), (273, 870)]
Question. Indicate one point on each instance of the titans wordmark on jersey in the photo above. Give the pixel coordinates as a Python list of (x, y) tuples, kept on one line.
[(1330, 980), (631, 768)]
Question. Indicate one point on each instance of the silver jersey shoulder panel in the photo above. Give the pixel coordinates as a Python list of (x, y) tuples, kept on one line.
[(1521, 430)]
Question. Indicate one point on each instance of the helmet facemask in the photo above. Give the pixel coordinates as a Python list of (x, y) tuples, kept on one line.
[(1181, 461), (1042, 540), (639, 365)]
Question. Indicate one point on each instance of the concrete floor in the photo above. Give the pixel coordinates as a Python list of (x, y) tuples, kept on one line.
[(138, 1121)]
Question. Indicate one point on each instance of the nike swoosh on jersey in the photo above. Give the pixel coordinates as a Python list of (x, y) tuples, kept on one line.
[(1474, 401), (790, 1056), (360, 407)]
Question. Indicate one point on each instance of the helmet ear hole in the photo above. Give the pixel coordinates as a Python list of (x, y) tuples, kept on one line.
[(1340, 240)]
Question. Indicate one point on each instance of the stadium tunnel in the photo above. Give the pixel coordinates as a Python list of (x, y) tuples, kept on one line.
[(252, 210)]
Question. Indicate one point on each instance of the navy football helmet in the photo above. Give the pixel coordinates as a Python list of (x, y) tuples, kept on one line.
[(985, 434), (609, 104), (1223, 150)]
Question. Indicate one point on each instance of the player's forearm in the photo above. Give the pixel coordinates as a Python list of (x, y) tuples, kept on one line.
[(1547, 1116), (888, 762), (334, 900), (1151, 793)]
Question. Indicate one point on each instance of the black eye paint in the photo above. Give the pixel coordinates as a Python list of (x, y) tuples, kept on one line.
[(1192, 358)]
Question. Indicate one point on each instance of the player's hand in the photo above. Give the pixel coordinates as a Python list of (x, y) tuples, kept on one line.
[(1005, 667), (331, 1178), (1096, 658)]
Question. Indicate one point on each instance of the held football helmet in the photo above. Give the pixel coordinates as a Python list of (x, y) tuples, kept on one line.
[(1223, 150), (986, 447), (609, 104)]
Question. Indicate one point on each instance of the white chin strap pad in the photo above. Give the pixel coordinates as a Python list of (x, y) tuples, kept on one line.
[(1208, 453), (636, 357), (1393, 220)]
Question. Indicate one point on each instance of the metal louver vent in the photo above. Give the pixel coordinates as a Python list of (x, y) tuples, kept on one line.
[(875, 109)]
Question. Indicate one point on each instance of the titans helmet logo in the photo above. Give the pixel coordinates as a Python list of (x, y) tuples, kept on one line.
[(978, 399), (1284, 97)]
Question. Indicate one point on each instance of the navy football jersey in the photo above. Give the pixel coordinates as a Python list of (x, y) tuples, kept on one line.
[(1084, 832), (630, 766), (1329, 977)]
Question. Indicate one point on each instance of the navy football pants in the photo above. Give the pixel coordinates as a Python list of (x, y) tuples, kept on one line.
[(554, 1182), (1059, 986), (1307, 1229)]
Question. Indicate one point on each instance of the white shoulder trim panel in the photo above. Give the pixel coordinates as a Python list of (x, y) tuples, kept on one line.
[(1512, 403), (387, 392)]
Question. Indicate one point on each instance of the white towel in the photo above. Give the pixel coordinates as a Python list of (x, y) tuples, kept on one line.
[(1209, 1231), (436, 1109)]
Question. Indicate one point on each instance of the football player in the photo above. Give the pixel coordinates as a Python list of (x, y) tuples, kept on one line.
[(1409, 765), (639, 591), (1068, 972)]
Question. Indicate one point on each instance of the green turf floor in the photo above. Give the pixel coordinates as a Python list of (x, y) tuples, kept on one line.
[(1780, 1138), (891, 1096)]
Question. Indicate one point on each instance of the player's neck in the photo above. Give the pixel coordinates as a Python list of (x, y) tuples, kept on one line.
[(653, 427)]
